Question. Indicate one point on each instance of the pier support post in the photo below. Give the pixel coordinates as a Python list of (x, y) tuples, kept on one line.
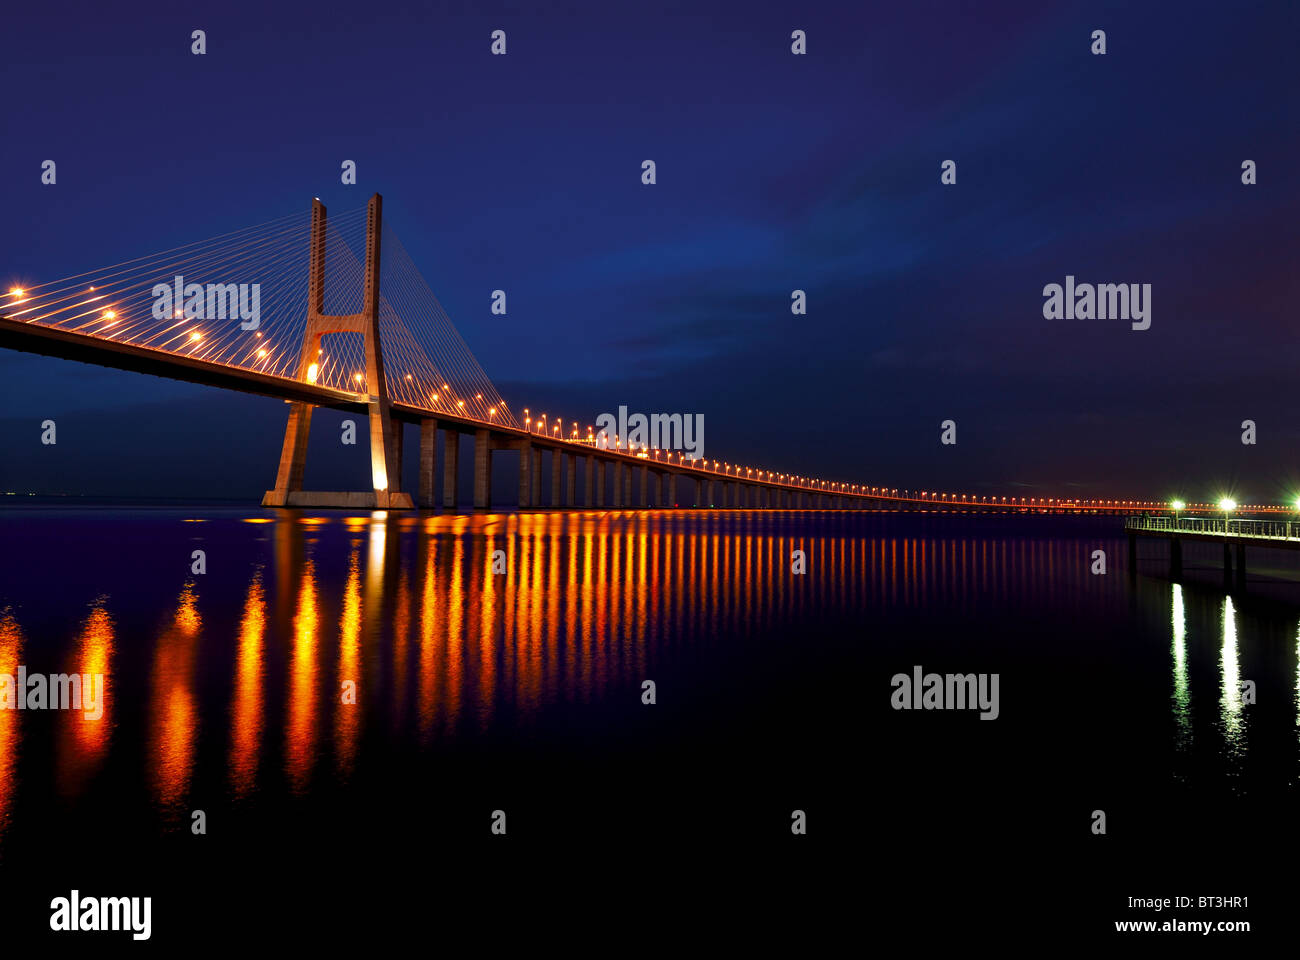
[(482, 469), (600, 483), (428, 461), (450, 469), (589, 482), (645, 485), (525, 474), (617, 500), (570, 470), (556, 479)]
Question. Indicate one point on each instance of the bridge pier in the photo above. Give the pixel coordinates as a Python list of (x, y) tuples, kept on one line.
[(451, 469), (669, 494), (600, 483), (645, 485), (570, 479), (589, 481), (556, 479), (428, 461), (482, 470), (525, 473)]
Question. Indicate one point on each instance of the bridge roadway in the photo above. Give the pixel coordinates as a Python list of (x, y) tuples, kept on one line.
[(731, 491), (658, 478)]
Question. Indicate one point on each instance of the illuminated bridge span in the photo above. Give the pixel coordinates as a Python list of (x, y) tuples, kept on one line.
[(305, 309)]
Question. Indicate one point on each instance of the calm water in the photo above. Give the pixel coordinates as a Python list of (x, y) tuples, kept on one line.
[(522, 690)]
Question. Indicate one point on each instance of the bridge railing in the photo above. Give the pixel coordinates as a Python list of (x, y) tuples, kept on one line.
[(1217, 526)]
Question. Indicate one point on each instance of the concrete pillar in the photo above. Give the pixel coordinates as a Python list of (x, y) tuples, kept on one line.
[(656, 488), (600, 483), (627, 484), (570, 479), (708, 493), (428, 461), (556, 479), (535, 472), (450, 469), (670, 489), (482, 469), (525, 474), (398, 433), (617, 483), (645, 485), (589, 482)]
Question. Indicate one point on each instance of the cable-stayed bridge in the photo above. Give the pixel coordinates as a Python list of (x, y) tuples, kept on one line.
[(331, 312)]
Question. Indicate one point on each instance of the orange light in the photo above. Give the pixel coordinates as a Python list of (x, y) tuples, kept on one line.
[(195, 337)]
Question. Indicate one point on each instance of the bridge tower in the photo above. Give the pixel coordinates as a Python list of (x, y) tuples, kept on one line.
[(385, 436)]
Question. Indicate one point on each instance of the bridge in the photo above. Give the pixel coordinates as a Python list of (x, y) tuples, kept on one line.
[(319, 318)]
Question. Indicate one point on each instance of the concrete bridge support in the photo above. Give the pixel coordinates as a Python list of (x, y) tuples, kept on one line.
[(525, 474), (600, 483), (669, 494), (428, 461), (451, 469), (570, 471), (556, 478), (589, 482), (482, 469), (645, 486)]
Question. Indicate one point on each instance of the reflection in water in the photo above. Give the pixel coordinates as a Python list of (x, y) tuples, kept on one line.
[(1231, 719), (247, 706), (442, 648), (84, 735), (11, 651), (1182, 686), (300, 724), (175, 717), (348, 703)]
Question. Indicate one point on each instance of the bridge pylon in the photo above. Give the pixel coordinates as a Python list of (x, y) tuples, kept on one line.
[(385, 442)]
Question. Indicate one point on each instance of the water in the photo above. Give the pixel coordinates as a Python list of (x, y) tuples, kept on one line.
[(522, 691)]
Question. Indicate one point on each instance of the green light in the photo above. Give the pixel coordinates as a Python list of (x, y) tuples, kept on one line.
[(1178, 505), (1227, 504)]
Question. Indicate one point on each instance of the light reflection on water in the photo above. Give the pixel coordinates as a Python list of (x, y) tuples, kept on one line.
[(442, 647)]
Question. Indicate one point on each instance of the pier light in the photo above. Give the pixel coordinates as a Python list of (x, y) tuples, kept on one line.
[(1227, 504), (1178, 505)]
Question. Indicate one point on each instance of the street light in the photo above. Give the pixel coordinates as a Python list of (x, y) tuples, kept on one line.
[(1227, 505), (1177, 506)]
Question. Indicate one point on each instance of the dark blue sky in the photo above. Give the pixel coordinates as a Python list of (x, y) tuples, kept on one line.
[(775, 172)]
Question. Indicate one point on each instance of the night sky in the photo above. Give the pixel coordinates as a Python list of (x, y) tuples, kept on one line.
[(775, 172)]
